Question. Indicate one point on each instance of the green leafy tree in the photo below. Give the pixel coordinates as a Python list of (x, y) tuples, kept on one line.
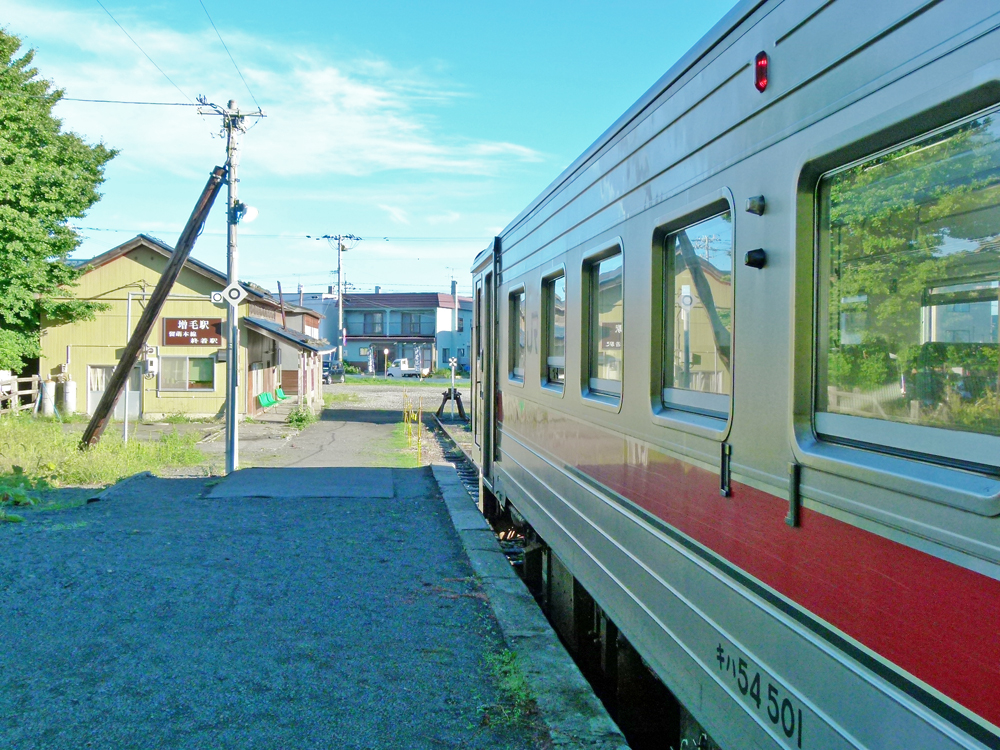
[(47, 176)]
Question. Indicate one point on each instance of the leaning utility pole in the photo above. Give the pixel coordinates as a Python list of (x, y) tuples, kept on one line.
[(234, 123), (119, 378)]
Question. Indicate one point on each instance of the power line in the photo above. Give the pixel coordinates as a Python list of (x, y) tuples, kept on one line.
[(229, 53), (248, 235), (94, 101), (143, 51)]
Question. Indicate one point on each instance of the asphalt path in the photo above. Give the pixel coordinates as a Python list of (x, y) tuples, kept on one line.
[(174, 614)]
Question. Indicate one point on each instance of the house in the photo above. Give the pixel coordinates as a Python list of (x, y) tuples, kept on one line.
[(186, 349), (383, 327)]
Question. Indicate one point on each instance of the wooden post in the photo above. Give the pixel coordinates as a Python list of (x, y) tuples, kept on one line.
[(118, 380)]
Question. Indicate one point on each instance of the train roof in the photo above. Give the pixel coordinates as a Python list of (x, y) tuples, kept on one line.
[(729, 22)]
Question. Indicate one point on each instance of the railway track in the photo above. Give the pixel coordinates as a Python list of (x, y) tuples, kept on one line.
[(511, 541)]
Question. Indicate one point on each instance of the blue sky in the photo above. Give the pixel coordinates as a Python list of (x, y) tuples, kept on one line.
[(396, 120)]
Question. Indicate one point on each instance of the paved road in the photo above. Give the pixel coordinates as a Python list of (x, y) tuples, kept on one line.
[(174, 614)]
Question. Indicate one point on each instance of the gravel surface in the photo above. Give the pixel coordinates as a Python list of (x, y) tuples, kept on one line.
[(159, 618)]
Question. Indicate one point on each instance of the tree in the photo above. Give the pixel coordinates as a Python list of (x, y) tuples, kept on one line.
[(47, 176)]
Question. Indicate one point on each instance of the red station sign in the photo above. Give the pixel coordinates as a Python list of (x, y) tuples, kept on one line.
[(192, 332)]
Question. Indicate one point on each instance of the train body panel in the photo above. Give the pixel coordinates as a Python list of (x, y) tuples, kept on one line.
[(859, 576)]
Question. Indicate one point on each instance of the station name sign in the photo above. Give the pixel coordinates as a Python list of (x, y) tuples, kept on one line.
[(192, 332)]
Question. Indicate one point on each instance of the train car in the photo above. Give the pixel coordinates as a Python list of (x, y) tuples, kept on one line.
[(773, 465)]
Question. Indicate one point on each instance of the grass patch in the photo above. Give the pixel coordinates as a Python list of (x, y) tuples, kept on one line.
[(402, 382), (36, 455), (182, 418), (334, 399), (301, 417), (517, 704), (404, 453)]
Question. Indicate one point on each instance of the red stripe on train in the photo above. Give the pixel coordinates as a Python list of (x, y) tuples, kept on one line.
[(936, 620)]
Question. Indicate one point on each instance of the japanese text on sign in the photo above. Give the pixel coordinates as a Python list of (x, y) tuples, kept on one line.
[(767, 697), (192, 332)]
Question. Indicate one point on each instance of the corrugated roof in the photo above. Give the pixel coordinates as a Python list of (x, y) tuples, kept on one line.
[(293, 337)]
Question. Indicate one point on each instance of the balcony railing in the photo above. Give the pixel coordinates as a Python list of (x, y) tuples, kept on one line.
[(394, 330)]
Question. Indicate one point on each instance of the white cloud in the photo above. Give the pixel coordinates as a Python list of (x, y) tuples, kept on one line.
[(325, 116), (397, 215), (449, 217)]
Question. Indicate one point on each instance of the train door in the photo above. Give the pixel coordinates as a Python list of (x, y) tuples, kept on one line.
[(483, 384)]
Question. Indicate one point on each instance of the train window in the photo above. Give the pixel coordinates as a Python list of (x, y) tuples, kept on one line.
[(554, 300), (909, 265), (698, 303), (517, 336), (606, 325)]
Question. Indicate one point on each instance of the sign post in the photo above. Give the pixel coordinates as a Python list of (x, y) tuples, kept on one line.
[(453, 363)]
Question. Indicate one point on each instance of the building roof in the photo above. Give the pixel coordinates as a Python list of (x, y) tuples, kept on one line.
[(144, 240), (289, 336), (404, 301)]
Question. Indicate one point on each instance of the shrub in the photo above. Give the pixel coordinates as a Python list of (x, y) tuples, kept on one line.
[(301, 417)]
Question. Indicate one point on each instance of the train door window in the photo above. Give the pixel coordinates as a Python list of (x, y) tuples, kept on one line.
[(908, 285), (517, 336), (554, 336), (606, 324), (698, 305)]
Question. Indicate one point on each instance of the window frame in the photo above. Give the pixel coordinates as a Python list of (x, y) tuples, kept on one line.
[(556, 388), (688, 411), (948, 447), (611, 394), (187, 362), (514, 342), (831, 470)]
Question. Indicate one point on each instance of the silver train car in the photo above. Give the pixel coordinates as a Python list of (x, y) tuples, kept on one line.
[(737, 368)]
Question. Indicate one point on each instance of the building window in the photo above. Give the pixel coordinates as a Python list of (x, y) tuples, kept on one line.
[(909, 268), (554, 300), (517, 337), (415, 324), (606, 325), (187, 374), (461, 324), (373, 324), (698, 303)]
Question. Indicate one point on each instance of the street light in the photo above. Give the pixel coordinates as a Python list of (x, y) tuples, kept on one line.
[(385, 352)]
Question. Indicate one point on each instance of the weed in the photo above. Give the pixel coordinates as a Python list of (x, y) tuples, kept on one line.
[(36, 455), (301, 417), (518, 703)]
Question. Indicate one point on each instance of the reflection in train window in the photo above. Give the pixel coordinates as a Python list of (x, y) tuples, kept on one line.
[(517, 336), (699, 305), (607, 325), (554, 300), (909, 257)]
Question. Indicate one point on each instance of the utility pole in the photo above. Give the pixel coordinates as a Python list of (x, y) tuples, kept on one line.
[(340, 239), (234, 124), (235, 127)]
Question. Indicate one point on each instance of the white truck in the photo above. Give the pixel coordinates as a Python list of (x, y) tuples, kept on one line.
[(400, 368)]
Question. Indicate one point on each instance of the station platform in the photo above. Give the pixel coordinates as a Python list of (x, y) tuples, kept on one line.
[(316, 607)]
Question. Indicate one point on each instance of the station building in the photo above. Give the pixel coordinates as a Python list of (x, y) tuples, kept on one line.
[(187, 348)]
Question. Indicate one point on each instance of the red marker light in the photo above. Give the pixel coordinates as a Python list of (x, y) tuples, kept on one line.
[(760, 71)]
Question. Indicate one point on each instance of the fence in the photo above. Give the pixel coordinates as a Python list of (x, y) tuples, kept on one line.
[(11, 393)]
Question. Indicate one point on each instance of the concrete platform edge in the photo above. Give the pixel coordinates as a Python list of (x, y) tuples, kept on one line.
[(110, 491), (572, 713)]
